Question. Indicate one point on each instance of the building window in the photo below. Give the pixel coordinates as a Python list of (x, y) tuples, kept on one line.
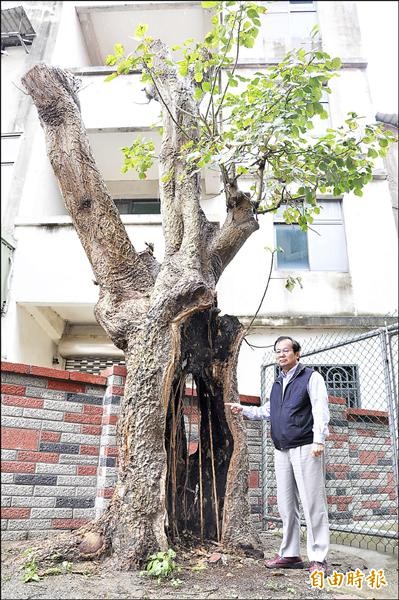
[(341, 381), (321, 248), (288, 26), (139, 206)]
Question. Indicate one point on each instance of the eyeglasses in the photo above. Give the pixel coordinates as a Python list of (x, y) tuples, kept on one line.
[(285, 351)]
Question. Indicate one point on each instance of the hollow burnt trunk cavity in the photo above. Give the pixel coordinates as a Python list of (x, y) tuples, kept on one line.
[(197, 437)]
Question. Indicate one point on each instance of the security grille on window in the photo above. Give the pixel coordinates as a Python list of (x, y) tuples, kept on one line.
[(341, 382), (321, 248), (91, 364)]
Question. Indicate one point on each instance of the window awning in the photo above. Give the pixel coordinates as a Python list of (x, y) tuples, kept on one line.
[(16, 29)]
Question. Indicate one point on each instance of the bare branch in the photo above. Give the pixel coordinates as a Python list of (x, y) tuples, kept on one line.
[(116, 265)]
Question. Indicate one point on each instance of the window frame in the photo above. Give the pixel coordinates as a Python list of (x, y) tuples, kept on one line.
[(142, 201), (319, 221)]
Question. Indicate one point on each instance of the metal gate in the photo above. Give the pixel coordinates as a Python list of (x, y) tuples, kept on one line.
[(362, 450)]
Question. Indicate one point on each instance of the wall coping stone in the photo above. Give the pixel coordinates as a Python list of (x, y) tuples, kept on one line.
[(9, 367)]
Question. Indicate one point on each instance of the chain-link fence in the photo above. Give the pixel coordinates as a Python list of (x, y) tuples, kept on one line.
[(362, 449)]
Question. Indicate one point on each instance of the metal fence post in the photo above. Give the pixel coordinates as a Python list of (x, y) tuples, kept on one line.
[(392, 408)]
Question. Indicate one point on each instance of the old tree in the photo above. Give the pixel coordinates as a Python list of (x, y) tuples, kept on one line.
[(165, 316)]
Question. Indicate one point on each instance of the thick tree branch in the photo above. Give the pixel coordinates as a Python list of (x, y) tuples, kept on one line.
[(117, 266), (240, 223)]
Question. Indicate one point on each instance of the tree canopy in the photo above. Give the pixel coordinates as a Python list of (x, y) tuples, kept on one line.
[(258, 126)]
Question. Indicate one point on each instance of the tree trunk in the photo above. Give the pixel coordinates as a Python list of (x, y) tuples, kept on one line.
[(183, 465)]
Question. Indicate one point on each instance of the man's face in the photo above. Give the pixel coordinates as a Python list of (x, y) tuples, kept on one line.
[(286, 358)]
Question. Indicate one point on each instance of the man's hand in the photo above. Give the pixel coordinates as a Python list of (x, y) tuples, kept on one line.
[(317, 450), (235, 408)]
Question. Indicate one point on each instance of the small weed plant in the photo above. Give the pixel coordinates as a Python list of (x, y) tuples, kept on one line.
[(162, 565), (31, 568)]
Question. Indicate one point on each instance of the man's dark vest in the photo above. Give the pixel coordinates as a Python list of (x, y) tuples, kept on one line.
[(291, 415)]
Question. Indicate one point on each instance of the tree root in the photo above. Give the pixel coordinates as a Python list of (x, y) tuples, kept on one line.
[(86, 543)]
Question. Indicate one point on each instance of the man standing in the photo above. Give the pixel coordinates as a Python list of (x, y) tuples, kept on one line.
[(299, 416)]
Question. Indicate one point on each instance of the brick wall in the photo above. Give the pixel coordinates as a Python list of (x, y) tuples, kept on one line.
[(59, 451), (360, 482), (51, 432), (359, 467)]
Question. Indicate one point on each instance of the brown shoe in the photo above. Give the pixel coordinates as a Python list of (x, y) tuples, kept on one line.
[(318, 566), (287, 562)]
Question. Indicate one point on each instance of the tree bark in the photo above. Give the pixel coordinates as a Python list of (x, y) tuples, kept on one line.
[(165, 319)]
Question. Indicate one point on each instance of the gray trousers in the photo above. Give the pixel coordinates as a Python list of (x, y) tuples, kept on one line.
[(302, 476)]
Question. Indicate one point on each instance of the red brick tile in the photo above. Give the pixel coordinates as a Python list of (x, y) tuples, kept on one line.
[(15, 367), (46, 457), (359, 415), (89, 409), (369, 475), (50, 436), (113, 450), (68, 523), (20, 401), (47, 372), (118, 390), (65, 386), (14, 438), (254, 479), (109, 420), (105, 493), (15, 513), (91, 429), (336, 400), (338, 437), (254, 400), (384, 489), (370, 458), (87, 470), (365, 432), (89, 450), (339, 499), (13, 466), (371, 504), (88, 378), (82, 418), (114, 370), (14, 390)]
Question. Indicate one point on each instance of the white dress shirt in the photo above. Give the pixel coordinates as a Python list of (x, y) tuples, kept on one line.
[(318, 398)]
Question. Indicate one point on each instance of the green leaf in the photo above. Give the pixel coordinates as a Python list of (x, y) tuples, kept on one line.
[(336, 63), (110, 60), (111, 77), (183, 68), (198, 94), (119, 50), (140, 31), (252, 13)]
